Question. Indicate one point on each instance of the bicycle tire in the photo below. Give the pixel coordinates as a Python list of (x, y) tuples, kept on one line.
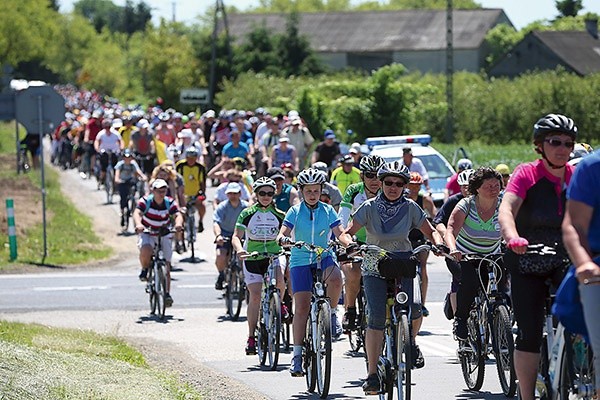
[(108, 184), (261, 340), (503, 345), (403, 358), (273, 326), (191, 232), (151, 288), (543, 385), (231, 281), (472, 357), (323, 349), (577, 373), (356, 337), (310, 369), (161, 290)]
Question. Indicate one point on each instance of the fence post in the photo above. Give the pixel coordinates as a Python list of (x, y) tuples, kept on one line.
[(12, 230)]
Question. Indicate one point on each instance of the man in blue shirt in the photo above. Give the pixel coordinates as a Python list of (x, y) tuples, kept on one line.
[(236, 148)]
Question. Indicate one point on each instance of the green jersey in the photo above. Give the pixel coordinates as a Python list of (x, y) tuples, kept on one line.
[(354, 196), (261, 226)]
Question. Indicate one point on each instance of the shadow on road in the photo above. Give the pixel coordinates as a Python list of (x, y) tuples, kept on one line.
[(154, 318), (479, 396)]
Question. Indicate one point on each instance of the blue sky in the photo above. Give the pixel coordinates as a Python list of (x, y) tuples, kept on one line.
[(520, 12)]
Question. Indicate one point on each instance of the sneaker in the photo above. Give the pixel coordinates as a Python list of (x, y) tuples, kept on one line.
[(336, 329), (179, 247), (349, 320), (460, 329), (424, 311), (372, 386), (168, 300), (417, 356), (143, 275), (251, 346), (219, 282), (200, 227), (296, 366), (285, 313)]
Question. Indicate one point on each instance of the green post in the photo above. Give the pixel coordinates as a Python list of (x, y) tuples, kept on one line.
[(12, 230)]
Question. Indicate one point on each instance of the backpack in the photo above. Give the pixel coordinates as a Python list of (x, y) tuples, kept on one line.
[(149, 199)]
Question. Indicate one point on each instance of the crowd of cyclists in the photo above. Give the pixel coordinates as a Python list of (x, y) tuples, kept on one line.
[(275, 186)]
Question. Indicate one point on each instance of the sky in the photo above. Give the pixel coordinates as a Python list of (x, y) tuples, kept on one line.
[(520, 12)]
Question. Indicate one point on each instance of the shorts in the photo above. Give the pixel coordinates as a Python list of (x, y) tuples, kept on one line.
[(251, 278), (301, 276), (146, 239)]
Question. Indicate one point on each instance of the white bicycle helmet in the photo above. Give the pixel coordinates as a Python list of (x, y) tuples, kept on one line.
[(464, 176), (371, 163), (311, 176), (262, 182), (394, 168), (321, 166)]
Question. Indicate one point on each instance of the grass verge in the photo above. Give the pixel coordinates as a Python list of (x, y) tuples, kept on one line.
[(39, 362)]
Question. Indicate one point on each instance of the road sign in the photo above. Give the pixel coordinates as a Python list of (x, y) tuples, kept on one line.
[(194, 96), (31, 101), (7, 106)]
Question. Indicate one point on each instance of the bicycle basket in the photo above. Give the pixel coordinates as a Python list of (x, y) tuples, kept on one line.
[(257, 266), (397, 266)]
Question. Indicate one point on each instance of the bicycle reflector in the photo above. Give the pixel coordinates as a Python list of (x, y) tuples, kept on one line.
[(319, 289), (401, 297)]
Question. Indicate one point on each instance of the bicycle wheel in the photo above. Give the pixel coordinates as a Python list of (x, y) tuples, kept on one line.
[(261, 338), (471, 355), (161, 289), (310, 360), (108, 184), (151, 290), (235, 292), (543, 385), (577, 379), (356, 337), (323, 349), (273, 325), (403, 358), (503, 345), (191, 232)]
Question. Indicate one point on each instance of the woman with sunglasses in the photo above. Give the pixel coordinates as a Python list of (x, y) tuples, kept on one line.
[(388, 219), (532, 211), (258, 225)]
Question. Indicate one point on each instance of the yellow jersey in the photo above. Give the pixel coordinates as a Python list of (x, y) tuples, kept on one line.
[(194, 177)]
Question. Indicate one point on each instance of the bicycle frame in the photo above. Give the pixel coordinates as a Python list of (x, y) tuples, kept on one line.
[(156, 286)]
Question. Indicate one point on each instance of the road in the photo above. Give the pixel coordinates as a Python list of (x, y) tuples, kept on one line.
[(112, 301)]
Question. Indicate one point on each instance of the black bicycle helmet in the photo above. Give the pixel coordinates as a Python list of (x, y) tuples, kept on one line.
[(371, 163), (311, 176), (394, 168), (553, 123)]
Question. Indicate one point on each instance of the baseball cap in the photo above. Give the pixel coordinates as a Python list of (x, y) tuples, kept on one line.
[(329, 134), (284, 139), (159, 183), (233, 187), (185, 133), (210, 114), (503, 169), (296, 121), (353, 150), (275, 173), (143, 123), (407, 150)]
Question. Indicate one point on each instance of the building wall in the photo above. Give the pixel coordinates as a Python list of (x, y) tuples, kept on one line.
[(334, 60), (435, 61)]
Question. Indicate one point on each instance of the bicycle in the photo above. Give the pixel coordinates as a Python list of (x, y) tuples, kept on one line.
[(234, 285), (396, 360), (268, 329), (127, 212), (109, 177), (318, 338), (156, 287), (489, 321), (190, 224), (23, 164)]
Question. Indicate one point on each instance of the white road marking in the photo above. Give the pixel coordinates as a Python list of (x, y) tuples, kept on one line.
[(68, 288)]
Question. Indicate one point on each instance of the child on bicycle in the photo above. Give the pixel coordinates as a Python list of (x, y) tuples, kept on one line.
[(259, 225), (311, 221)]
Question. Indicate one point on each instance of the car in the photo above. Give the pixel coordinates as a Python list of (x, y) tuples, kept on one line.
[(438, 168)]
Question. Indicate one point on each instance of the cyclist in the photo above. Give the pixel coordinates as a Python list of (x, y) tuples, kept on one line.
[(224, 220), (286, 195), (126, 173), (142, 145), (108, 140), (155, 211), (355, 195), (440, 221), (452, 187), (311, 221), (416, 237), (581, 235), (329, 189), (388, 218), (259, 225), (194, 181), (473, 228), (415, 165), (345, 175), (328, 150), (503, 170), (532, 211), (233, 175), (284, 153)]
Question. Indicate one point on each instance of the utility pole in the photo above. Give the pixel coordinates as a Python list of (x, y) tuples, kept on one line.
[(173, 7), (449, 137), (219, 9)]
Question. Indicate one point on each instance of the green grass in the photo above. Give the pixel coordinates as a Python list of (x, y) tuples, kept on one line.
[(39, 362), (70, 237)]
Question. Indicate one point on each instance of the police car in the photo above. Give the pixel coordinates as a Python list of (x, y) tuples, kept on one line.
[(438, 168)]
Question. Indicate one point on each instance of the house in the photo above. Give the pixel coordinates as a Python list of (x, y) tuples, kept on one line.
[(576, 51), (370, 39)]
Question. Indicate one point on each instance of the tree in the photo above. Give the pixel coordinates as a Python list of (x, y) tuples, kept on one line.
[(257, 53), (500, 39), (127, 19), (568, 8), (294, 50)]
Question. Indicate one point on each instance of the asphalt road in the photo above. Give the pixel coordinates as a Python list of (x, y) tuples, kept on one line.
[(113, 301)]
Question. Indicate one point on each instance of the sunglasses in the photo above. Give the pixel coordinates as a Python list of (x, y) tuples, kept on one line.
[(390, 183), (558, 143), (268, 194), (370, 175)]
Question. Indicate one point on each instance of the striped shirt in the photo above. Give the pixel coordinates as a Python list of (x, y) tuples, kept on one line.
[(156, 215), (476, 235)]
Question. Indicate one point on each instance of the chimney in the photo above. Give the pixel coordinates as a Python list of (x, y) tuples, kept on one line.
[(591, 25)]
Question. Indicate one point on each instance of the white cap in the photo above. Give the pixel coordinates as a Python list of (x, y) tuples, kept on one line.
[(233, 187), (159, 183), (185, 133), (143, 123)]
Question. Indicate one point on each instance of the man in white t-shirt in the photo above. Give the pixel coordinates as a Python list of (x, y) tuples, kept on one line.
[(108, 143), (415, 165)]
